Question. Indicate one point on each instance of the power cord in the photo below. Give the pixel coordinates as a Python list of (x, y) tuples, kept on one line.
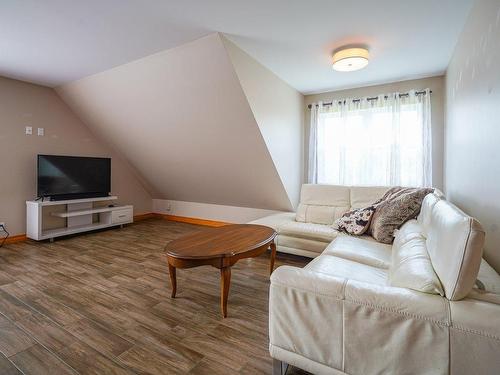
[(2, 228)]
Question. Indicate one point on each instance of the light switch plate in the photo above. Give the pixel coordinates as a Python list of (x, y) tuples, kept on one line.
[(41, 131), (28, 130)]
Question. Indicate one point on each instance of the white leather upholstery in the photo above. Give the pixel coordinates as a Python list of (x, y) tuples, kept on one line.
[(424, 218), (411, 266), (298, 243), (361, 250), (276, 220), (340, 315), (455, 245), (355, 327), (339, 267), (305, 239), (322, 204), (309, 231), (363, 196)]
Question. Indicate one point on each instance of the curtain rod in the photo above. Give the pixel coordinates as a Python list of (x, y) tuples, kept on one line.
[(372, 98)]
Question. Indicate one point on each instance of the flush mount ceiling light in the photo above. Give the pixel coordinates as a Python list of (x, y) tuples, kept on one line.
[(350, 59)]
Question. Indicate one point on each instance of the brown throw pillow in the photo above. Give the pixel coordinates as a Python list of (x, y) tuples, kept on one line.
[(397, 207), (355, 221)]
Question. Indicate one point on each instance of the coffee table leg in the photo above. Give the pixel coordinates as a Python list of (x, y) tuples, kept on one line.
[(173, 279), (225, 281), (273, 257)]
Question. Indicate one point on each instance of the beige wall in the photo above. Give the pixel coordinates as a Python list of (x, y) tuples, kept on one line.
[(182, 119), (472, 161), (278, 110), (23, 104), (436, 84)]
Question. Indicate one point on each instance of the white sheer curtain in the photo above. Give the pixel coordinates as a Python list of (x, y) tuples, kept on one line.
[(386, 141)]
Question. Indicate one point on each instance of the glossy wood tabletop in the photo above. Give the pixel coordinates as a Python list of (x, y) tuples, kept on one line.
[(221, 248), (226, 241)]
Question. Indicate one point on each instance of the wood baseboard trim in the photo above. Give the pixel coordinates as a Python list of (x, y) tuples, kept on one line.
[(140, 217), (193, 220), (16, 238)]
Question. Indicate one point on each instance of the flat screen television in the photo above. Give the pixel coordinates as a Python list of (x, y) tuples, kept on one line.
[(73, 177)]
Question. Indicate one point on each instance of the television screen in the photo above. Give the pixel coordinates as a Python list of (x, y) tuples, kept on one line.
[(72, 177)]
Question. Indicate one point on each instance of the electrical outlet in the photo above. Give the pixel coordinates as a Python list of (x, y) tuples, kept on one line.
[(168, 207), (28, 130), (41, 131)]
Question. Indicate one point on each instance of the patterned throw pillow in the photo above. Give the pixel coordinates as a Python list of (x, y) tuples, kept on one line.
[(356, 221), (398, 206)]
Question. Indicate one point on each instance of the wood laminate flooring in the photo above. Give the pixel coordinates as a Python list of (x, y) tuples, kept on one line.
[(100, 304)]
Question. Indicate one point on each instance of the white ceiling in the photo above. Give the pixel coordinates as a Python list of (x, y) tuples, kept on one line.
[(52, 42)]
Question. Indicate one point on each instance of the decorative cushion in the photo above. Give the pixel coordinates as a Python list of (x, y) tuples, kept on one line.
[(411, 265), (398, 206), (356, 221)]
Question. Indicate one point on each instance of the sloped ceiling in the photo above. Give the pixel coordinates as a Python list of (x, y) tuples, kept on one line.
[(182, 119)]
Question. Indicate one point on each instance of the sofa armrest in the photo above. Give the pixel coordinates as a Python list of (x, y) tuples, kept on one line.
[(305, 318), (350, 326)]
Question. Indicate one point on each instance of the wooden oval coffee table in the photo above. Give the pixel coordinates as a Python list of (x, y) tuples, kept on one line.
[(220, 247)]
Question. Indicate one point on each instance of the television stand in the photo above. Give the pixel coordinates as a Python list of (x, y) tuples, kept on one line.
[(51, 219)]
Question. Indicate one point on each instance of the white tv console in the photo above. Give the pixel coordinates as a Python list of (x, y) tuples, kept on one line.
[(79, 215)]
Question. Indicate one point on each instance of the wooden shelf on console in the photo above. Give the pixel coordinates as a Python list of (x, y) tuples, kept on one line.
[(88, 211)]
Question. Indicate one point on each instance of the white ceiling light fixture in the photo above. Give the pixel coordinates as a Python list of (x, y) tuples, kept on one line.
[(350, 59)]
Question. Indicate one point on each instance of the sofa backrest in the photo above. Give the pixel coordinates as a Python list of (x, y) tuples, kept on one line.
[(363, 196), (323, 204), (425, 215), (455, 245)]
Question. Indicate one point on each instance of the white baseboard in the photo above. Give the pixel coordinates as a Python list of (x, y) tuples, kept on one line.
[(230, 214)]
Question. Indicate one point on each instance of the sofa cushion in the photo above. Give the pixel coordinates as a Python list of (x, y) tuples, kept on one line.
[(276, 220), (399, 205), (362, 250), (322, 204), (409, 230), (356, 221), (411, 266), (347, 269), (302, 246), (318, 232), (363, 196), (455, 245), (424, 217)]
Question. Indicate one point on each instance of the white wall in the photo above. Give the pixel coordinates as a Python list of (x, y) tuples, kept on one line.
[(472, 161), (278, 110), (182, 119), (230, 214), (436, 84)]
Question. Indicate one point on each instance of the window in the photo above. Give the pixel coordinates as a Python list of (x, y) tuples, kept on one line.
[(384, 141)]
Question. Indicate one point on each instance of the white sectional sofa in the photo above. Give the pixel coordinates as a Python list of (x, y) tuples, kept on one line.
[(341, 314)]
